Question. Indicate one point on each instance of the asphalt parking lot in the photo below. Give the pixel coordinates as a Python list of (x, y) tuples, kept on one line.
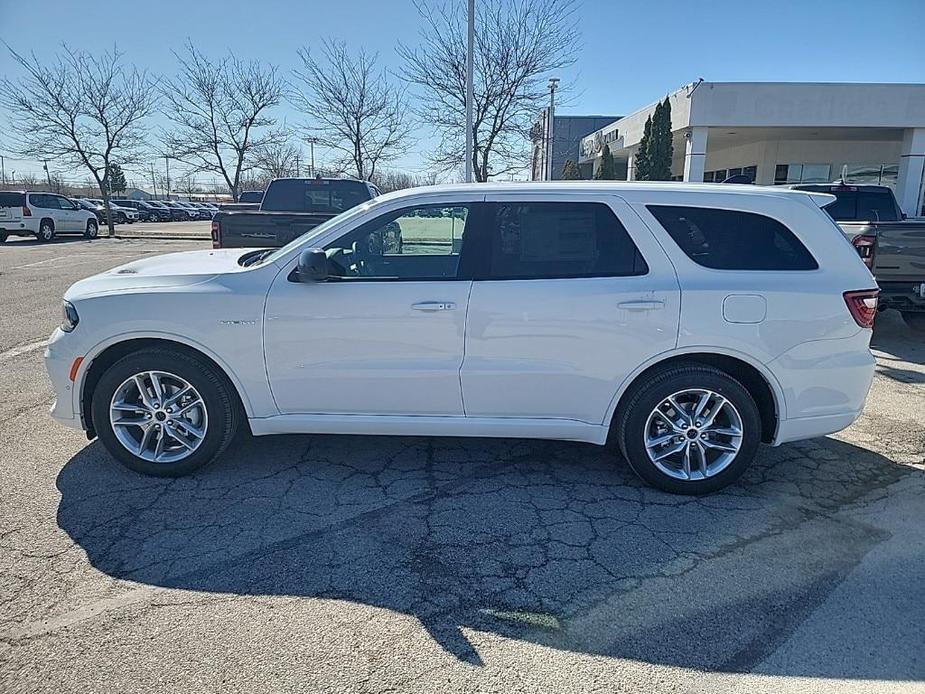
[(336, 564)]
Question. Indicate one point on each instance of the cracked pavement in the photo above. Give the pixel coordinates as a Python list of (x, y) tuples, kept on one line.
[(341, 564)]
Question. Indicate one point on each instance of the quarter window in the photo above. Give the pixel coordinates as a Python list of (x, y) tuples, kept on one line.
[(420, 243), (556, 240), (733, 240)]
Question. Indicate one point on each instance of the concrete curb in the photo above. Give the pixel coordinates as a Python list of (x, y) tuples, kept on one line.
[(158, 237)]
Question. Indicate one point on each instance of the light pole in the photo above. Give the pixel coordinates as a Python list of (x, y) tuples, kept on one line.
[(311, 144), (550, 119), (167, 162), (469, 89)]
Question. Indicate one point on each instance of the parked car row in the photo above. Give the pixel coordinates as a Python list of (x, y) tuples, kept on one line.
[(46, 215)]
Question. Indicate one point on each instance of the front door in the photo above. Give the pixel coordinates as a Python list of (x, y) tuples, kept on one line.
[(570, 297), (385, 334)]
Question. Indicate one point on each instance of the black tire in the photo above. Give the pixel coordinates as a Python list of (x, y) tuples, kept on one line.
[(219, 402), (644, 397), (915, 320), (46, 231), (93, 229), (121, 218), (3, 238)]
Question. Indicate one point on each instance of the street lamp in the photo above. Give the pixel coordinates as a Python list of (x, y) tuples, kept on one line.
[(469, 89), (311, 142), (550, 117)]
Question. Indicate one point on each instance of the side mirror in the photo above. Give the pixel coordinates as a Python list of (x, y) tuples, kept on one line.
[(313, 266)]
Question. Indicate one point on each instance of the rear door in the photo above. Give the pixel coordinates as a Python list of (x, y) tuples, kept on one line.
[(573, 293), (47, 205)]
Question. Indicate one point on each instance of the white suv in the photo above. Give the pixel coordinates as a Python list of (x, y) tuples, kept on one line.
[(43, 215), (686, 323)]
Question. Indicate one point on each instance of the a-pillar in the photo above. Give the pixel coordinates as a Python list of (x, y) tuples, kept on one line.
[(695, 154), (911, 168)]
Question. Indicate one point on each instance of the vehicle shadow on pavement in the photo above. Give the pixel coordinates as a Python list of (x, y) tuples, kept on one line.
[(552, 542)]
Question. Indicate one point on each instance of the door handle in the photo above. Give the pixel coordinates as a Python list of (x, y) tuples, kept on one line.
[(434, 306), (642, 305)]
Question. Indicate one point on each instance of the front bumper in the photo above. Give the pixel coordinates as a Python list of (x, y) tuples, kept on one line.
[(58, 360)]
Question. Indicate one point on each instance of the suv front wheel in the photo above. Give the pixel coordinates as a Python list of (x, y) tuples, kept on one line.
[(689, 429), (163, 412)]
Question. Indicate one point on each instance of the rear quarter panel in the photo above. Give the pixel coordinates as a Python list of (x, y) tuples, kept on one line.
[(766, 314)]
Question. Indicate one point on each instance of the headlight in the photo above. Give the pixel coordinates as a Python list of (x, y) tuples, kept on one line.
[(71, 319)]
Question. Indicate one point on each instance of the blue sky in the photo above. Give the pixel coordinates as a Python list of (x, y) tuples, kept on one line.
[(632, 52)]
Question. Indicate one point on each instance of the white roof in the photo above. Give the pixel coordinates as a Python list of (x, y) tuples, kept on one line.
[(614, 187)]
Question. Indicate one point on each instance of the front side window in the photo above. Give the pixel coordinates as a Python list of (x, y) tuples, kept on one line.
[(419, 243), (551, 240), (732, 239)]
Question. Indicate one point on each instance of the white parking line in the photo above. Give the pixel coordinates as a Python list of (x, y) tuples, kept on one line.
[(22, 349)]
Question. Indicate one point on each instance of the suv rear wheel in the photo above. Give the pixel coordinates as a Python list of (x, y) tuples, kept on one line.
[(93, 229), (689, 429), (163, 412), (46, 231)]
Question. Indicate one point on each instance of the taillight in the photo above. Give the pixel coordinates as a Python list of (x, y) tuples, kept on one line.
[(862, 306), (216, 235), (26, 212), (866, 246)]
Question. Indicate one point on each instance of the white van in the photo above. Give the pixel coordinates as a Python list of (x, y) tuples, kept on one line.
[(685, 323)]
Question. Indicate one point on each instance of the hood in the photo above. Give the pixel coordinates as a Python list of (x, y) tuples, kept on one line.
[(171, 270)]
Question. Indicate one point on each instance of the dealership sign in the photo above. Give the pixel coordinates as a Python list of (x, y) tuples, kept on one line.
[(593, 144)]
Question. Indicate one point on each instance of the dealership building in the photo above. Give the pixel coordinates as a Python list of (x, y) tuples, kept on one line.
[(782, 133)]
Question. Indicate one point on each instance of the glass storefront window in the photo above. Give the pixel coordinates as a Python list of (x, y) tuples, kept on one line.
[(872, 174), (802, 173)]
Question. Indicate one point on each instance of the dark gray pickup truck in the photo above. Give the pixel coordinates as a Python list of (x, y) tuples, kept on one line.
[(892, 246), (290, 207)]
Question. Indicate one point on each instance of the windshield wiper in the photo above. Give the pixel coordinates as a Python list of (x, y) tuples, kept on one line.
[(254, 257)]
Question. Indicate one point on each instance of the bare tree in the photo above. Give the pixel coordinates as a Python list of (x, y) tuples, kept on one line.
[(353, 106), (518, 44), (278, 160), (387, 181), (221, 113), (81, 110)]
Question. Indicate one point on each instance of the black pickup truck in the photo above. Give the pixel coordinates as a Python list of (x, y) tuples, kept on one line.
[(290, 207), (892, 246)]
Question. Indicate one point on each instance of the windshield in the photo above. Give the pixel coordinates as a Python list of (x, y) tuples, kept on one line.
[(318, 230)]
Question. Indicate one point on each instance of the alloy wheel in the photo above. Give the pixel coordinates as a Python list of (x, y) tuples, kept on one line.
[(693, 434), (158, 416)]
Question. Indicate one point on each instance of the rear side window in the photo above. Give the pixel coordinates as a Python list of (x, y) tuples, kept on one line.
[(313, 195), (47, 202), (12, 199), (732, 239), (556, 240)]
